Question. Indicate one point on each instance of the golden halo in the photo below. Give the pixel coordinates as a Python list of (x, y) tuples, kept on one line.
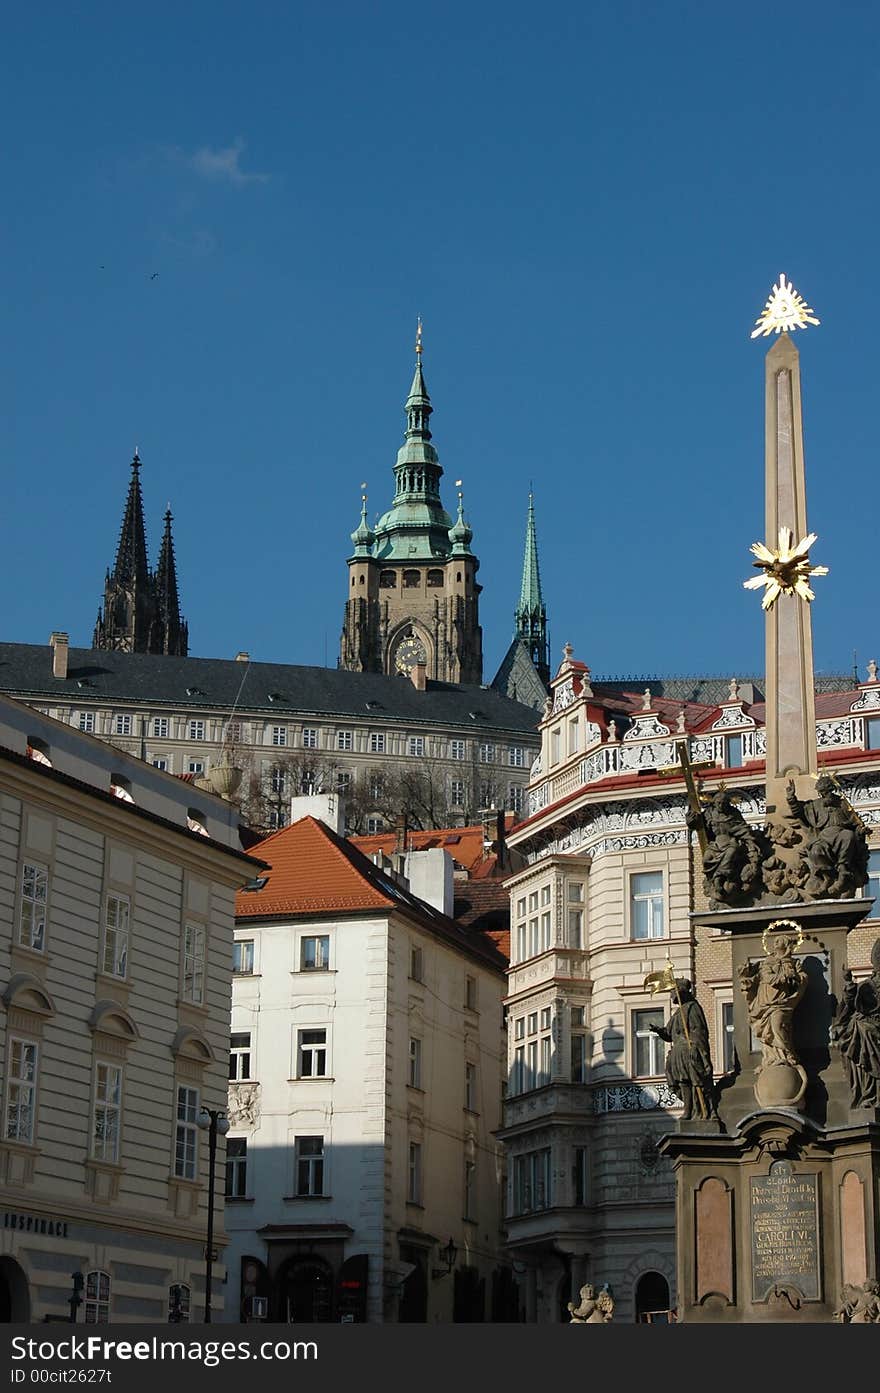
[(782, 924)]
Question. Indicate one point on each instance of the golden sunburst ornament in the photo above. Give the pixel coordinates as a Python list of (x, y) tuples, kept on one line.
[(787, 570), (784, 310)]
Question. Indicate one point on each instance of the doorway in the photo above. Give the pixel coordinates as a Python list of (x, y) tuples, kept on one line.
[(15, 1297)]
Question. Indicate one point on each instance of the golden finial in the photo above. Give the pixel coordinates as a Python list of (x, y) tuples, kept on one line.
[(785, 571), (419, 338), (784, 310)]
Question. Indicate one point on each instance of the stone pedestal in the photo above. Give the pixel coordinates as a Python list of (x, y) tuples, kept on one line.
[(779, 1210)]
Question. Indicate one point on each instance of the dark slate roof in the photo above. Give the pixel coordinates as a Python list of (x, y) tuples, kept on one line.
[(709, 691), (215, 684)]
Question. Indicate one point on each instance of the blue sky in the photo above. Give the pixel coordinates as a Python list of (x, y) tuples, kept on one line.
[(221, 220)]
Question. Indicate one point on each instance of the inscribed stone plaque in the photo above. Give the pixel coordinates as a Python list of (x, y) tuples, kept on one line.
[(784, 1207)]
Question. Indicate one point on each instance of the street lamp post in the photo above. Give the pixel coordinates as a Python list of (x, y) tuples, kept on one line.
[(213, 1122)]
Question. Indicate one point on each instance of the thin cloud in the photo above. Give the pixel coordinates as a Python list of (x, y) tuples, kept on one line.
[(224, 165)]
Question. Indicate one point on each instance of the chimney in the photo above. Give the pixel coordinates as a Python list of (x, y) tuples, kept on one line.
[(419, 675), (431, 878), (401, 832), (59, 642), (242, 657)]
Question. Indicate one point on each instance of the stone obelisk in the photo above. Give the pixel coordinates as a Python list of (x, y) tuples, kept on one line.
[(791, 706)]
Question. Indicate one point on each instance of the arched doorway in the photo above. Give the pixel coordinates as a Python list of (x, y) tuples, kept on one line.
[(652, 1299), (305, 1291), (15, 1298)]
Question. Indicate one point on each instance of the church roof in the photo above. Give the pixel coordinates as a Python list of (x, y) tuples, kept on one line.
[(530, 599), (283, 690)]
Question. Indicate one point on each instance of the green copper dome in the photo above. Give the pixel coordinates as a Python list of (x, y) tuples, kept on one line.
[(416, 526)]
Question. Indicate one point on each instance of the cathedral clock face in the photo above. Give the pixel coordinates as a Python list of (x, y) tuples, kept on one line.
[(410, 652)]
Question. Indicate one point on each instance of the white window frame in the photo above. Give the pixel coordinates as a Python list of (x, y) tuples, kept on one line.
[(321, 953), (236, 1170), (22, 1076), (487, 753), (240, 1053), (516, 756), (656, 918), (106, 1111), (195, 729), (195, 944), (416, 746), (457, 792), (33, 910), (116, 942), (312, 1053), (239, 953), (122, 723), (87, 722), (309, 1163), (414, 1073), (183, 1305), (457, 749), (656, 1048), (195, 766), (186, 1132), (96, 1293), (310, 737), (377, 742), (279, 736), (160, 728), (278, 778), (345, 740), (515, 797)]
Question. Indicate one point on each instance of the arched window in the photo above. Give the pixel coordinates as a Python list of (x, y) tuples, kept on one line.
[(435, 577), (411, 580), (652, 1299), (179, 1304), (97, 1304), (387, 580)]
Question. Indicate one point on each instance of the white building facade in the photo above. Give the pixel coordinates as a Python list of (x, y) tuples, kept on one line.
[(365, 1085)]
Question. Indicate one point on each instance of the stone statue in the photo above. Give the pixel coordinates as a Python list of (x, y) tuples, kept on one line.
[(735, 852), (859, 1305), (592, 1309), (856, 1032), (835, 843), (688, 1064), (773, 988)]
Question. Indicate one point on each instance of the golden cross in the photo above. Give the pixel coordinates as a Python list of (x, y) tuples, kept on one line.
[(688, 769)]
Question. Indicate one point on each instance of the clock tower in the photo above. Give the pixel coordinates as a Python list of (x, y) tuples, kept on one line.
[(412, 587)]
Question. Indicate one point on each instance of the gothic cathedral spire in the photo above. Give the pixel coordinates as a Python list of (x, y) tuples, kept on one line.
[(141, 612), (531, 612)]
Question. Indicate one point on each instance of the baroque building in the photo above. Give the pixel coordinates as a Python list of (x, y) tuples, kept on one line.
[(117, 893), (610, 892), (141, 609), (413, 596)]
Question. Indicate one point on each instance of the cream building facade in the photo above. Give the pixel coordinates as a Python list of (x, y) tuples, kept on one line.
[(367, 1064), (608, 895), (116, 927)]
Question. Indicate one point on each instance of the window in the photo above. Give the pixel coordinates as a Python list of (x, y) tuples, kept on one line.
[(573, 736), (575, 928), (186, 1137), (344, 779), (545, 931), (728, 1062), (414, 1174), (470, 1087), (554, 746), (179, 1304), (515, 798), (276, 819), (309, 1153), (243, 956), (377, 786), (32, 916), (531, 1181), (487, 754), (516, 756), (344, 740), (240, 1056), (456, 749), (648, 1048), (194, 963), (377, 742), (487, 795), (872, 889), (415, 1062), (108, 1107), (310, 738), (97, 1303), (545, 894), (236, 1167), (195, 766), (160, 727), (533, 937), (435, 578), (518, 1079), (580, 1176), (578, 1015), (533, 901), (122, 725), (470, 992), (872, 734), (646, 904), (196, 730), (411, 579), (470, 1170), (374, 824), (232, 732), (161, 762), (417, 744), (87, 722), (21, 1090), (279, 735), (544, 1065), (311, 1054), (415, 964), (578, 1058), (116, 919), (278, 779), (734, 756), (456, 792), (521, 948), (519, 1027), (314, 953), (387, 580)]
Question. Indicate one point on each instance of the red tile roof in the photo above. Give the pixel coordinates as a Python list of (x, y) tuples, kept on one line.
[(465, 845)]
